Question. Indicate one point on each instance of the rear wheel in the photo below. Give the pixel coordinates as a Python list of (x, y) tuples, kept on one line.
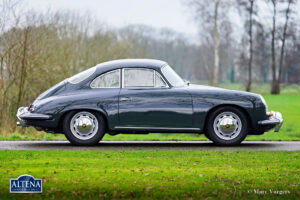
[(84, 127), (227, 126)]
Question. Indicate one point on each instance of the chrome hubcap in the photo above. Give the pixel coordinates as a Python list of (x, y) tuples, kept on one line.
[(227, 125), (84, 125)]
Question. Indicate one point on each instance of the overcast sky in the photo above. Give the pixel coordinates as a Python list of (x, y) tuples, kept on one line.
[(157, 13), (117, 13)]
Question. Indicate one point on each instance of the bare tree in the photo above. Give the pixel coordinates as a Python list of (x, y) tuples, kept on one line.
[(216, 44), (207, 14), (248, 5), (248, 87), (282, 50), (276, 77), (274, 3), (39, 50), (8, 45)]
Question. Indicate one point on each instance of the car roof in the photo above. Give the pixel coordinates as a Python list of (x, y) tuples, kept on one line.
[(128, 63)]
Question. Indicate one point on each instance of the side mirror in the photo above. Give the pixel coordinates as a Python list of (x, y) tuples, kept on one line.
[(165, 86), (187, 82)]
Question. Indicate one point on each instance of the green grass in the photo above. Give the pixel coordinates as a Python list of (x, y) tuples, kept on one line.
[(288, 105), (153, 174), (257, 87)]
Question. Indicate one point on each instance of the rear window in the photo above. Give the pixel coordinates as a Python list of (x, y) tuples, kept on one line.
[(81, 76)]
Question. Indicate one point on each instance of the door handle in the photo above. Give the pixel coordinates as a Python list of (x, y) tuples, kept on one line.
[(125, 99)]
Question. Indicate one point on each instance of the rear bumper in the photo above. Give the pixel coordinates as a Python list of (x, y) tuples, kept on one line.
[(274, 122), (24, 115)]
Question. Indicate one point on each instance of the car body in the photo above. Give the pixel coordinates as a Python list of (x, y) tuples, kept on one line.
[(145, 96)]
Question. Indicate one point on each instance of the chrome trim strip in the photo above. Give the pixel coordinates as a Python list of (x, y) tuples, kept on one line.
[(34, 116), (155, 128), (122, 85), (268, 121)]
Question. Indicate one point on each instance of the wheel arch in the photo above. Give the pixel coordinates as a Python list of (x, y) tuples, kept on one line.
[(211, 110), (101, 112)]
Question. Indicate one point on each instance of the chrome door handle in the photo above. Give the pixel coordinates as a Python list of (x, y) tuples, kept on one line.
[(125, 99)]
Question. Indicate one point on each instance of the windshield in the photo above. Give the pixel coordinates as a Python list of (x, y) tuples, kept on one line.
[(172, 76), (82, 75)]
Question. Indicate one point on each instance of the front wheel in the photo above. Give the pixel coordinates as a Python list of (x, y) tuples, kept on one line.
[(227, 126), (84, 127)]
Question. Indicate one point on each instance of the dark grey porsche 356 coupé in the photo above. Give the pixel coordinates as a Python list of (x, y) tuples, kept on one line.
[(145, 96)]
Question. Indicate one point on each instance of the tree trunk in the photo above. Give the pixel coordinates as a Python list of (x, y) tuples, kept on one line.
[(215, 75), (1, 90), (274, 86), (283, 45), (23, 68), (248, 87)]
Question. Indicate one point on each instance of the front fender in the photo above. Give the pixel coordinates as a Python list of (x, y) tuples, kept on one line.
[(204, 104)]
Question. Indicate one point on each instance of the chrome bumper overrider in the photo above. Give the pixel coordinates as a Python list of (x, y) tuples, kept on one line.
[(276, 120), (24, 114)]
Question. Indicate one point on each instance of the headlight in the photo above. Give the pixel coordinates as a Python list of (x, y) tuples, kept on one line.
[(264, 102)]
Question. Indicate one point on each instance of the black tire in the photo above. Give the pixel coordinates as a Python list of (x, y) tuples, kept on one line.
[(206, 135), (213, 136), (99, 133)]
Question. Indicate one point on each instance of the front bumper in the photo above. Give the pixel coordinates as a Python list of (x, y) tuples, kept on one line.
[(24, 115), (275, 121)]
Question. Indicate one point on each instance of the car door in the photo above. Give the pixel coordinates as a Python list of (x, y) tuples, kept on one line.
[(146, 100), (106, 89)]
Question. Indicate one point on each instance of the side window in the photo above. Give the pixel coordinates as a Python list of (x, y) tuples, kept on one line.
[(77, 78), (108, 80), (159, 81), (138, 77)]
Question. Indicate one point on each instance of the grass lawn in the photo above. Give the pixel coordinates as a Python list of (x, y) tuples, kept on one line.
[(154, 174), (288, 105)]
